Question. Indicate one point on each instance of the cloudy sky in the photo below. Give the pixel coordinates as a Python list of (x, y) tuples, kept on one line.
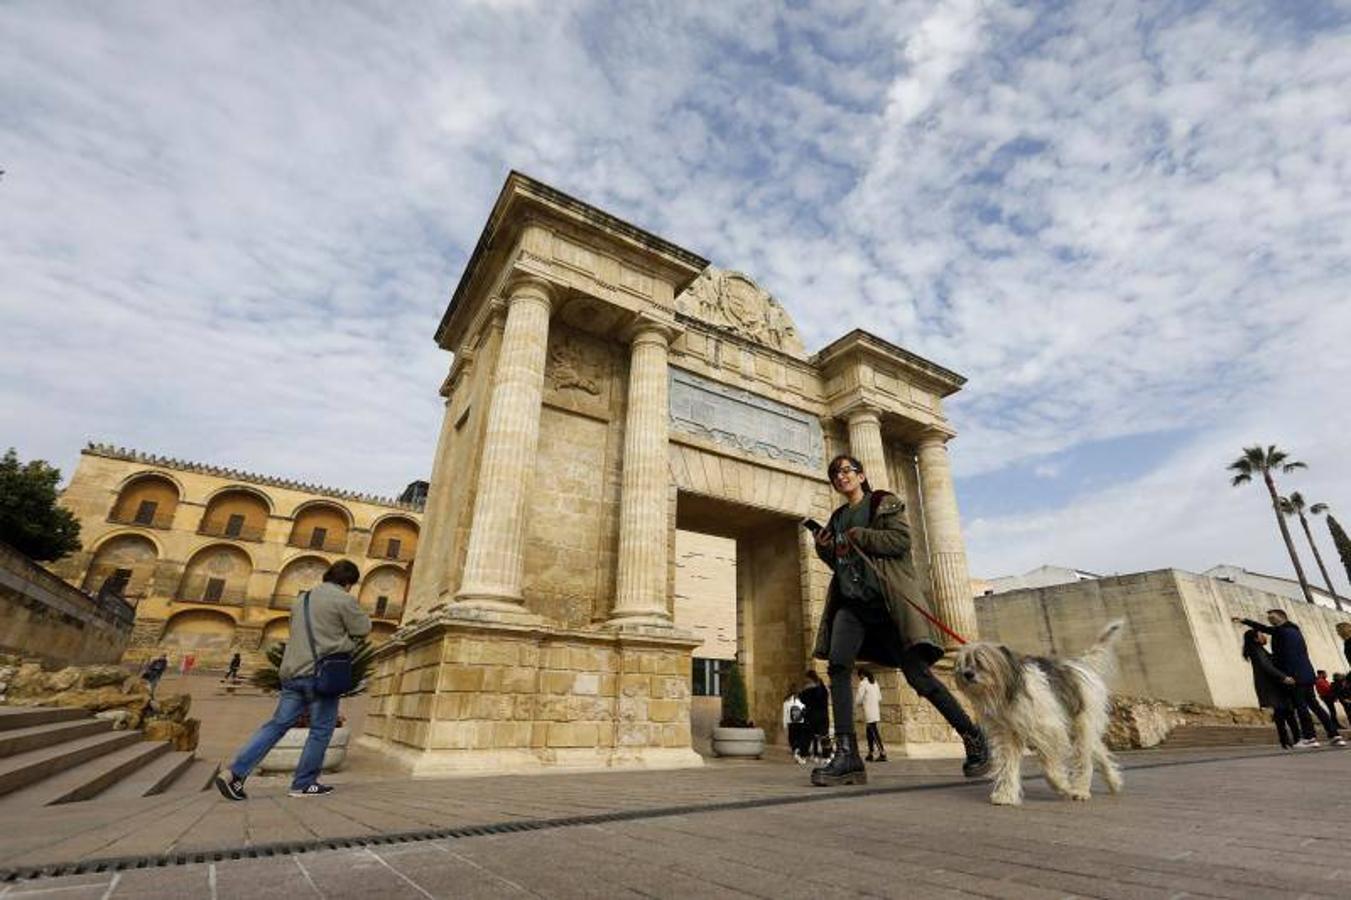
[(227, 231)]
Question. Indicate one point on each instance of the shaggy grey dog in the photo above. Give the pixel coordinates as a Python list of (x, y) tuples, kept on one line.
[(1056, 708)]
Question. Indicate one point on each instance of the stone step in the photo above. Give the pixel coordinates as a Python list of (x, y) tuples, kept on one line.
[(153, 778), (21, 740), (24, 769), (195, 779), (27, 716), (87, 779), (1220, 736)]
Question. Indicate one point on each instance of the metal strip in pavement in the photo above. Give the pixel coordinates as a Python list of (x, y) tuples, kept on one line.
[(287, 848)]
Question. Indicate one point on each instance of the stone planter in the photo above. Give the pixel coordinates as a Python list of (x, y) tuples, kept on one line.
[(285, 755), (739, 742)]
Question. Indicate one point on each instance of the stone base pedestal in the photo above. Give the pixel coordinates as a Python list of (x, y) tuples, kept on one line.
[(469, 695)]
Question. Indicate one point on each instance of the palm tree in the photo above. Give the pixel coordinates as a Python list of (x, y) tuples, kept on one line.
[(1256, 461), (1318, 509), (1294, 506)]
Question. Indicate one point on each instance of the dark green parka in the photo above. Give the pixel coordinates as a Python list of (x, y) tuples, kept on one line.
[(886, 541)]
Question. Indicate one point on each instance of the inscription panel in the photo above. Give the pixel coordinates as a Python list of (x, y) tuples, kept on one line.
[(744, 421)]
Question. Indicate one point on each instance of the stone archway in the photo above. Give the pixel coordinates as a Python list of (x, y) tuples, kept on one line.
[(125, 562), (607, 386), (200, 632)]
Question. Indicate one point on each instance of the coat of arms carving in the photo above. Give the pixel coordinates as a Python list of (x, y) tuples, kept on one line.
[(735, 302)]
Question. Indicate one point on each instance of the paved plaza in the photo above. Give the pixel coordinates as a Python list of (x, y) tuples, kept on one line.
[(1240, 823)]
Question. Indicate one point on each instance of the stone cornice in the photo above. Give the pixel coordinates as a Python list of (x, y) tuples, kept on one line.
[(520, 191), (108, 451), (944, 381)]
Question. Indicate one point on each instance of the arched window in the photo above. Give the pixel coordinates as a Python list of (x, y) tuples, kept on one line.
[(382, 592), (298, 575), (236, 513), (394, 538), (216, 574), (146, 500), (321, 526), (123, 565)]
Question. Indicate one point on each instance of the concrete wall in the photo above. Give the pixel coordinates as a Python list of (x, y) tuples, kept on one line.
[(42, 616), (1179, 644)]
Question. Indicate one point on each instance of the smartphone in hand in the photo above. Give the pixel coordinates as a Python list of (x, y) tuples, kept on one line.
[(811, 525)]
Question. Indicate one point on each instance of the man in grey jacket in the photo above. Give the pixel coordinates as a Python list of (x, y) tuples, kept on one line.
[(338, 621)]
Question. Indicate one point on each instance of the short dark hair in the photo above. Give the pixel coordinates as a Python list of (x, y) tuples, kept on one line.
[(812, 676), (344, 573), (853, 461), (1321, 672), (1280, 612), (865, 673)]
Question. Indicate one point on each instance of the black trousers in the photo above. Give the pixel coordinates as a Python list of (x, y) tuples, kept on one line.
[(874, 740), (1331, 704), (1306, 701), (1287, 728), (846, 637)]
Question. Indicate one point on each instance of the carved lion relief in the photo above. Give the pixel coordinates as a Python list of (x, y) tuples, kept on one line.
[(577, 372), (733, 301)]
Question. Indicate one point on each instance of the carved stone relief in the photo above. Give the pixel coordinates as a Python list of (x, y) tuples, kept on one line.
[(733, 301), (745, 421), (577, 373)]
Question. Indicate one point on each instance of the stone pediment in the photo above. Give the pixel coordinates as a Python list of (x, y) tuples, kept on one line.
[(733, 301)]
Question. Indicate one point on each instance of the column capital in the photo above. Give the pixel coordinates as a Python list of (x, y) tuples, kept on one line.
[(863, 414), (529, 288), (931, 437), (647, 328)]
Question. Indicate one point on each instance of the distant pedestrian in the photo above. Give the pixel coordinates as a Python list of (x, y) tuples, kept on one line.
[(1323, 688), (1344, 632), (186, 664), (1273, 687), (870, 700), (795, 727), (1341, 690), (325, 624), (232, 673), (816, 698), (154, 671), (1291, 656)]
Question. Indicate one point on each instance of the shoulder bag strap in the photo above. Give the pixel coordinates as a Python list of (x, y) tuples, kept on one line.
[(309, 630)]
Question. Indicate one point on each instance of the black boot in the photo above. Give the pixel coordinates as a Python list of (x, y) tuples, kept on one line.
[(844, 767), (977, 754)]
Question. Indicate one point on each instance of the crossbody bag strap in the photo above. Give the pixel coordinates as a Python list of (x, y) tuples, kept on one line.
[(309, 630)]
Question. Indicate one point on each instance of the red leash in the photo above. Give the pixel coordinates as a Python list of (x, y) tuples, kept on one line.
[(934, 620)]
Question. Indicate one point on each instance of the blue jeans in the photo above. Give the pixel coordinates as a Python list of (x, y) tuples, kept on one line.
[(296, 695)]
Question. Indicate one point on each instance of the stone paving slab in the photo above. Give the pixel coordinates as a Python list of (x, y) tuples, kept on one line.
[(1239, 824)]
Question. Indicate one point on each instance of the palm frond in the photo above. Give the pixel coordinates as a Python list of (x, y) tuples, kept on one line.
[(1244, 478), (1318, 509), (1292, 466), (1286, 507), (1296, 501)]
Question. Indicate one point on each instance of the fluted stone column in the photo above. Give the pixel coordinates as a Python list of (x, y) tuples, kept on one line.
[(865, 444), (640, 589), (494, 561), (947, 552)]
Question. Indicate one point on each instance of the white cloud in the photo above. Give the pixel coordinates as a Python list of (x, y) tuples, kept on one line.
[(228, 232)]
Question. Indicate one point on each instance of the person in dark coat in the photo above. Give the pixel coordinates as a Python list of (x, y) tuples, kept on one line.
[(816, 698), (1291, 656), (154, 671), (1341, 691), (1273, 687), (872, 615)]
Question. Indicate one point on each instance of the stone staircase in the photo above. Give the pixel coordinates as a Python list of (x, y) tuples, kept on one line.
[(1188, 736), (57, 755)]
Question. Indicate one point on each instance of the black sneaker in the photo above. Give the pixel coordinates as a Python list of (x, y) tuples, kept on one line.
[(231, 788), (314, 790), (977, 754)]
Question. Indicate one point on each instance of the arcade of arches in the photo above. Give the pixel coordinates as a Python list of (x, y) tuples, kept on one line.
[(212, 559), (608, 387)]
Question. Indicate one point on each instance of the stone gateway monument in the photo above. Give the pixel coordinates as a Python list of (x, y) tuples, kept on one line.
[(608, 388)]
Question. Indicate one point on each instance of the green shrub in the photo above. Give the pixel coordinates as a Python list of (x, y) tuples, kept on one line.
[(268, 678), (735, 713)]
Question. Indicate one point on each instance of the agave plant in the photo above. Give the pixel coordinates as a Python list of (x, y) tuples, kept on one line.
[(269, 679)]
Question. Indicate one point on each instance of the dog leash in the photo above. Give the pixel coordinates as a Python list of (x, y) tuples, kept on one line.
[(934, 620)]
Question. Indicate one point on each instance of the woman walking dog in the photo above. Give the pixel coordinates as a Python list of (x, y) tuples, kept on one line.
[(869, 617)]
